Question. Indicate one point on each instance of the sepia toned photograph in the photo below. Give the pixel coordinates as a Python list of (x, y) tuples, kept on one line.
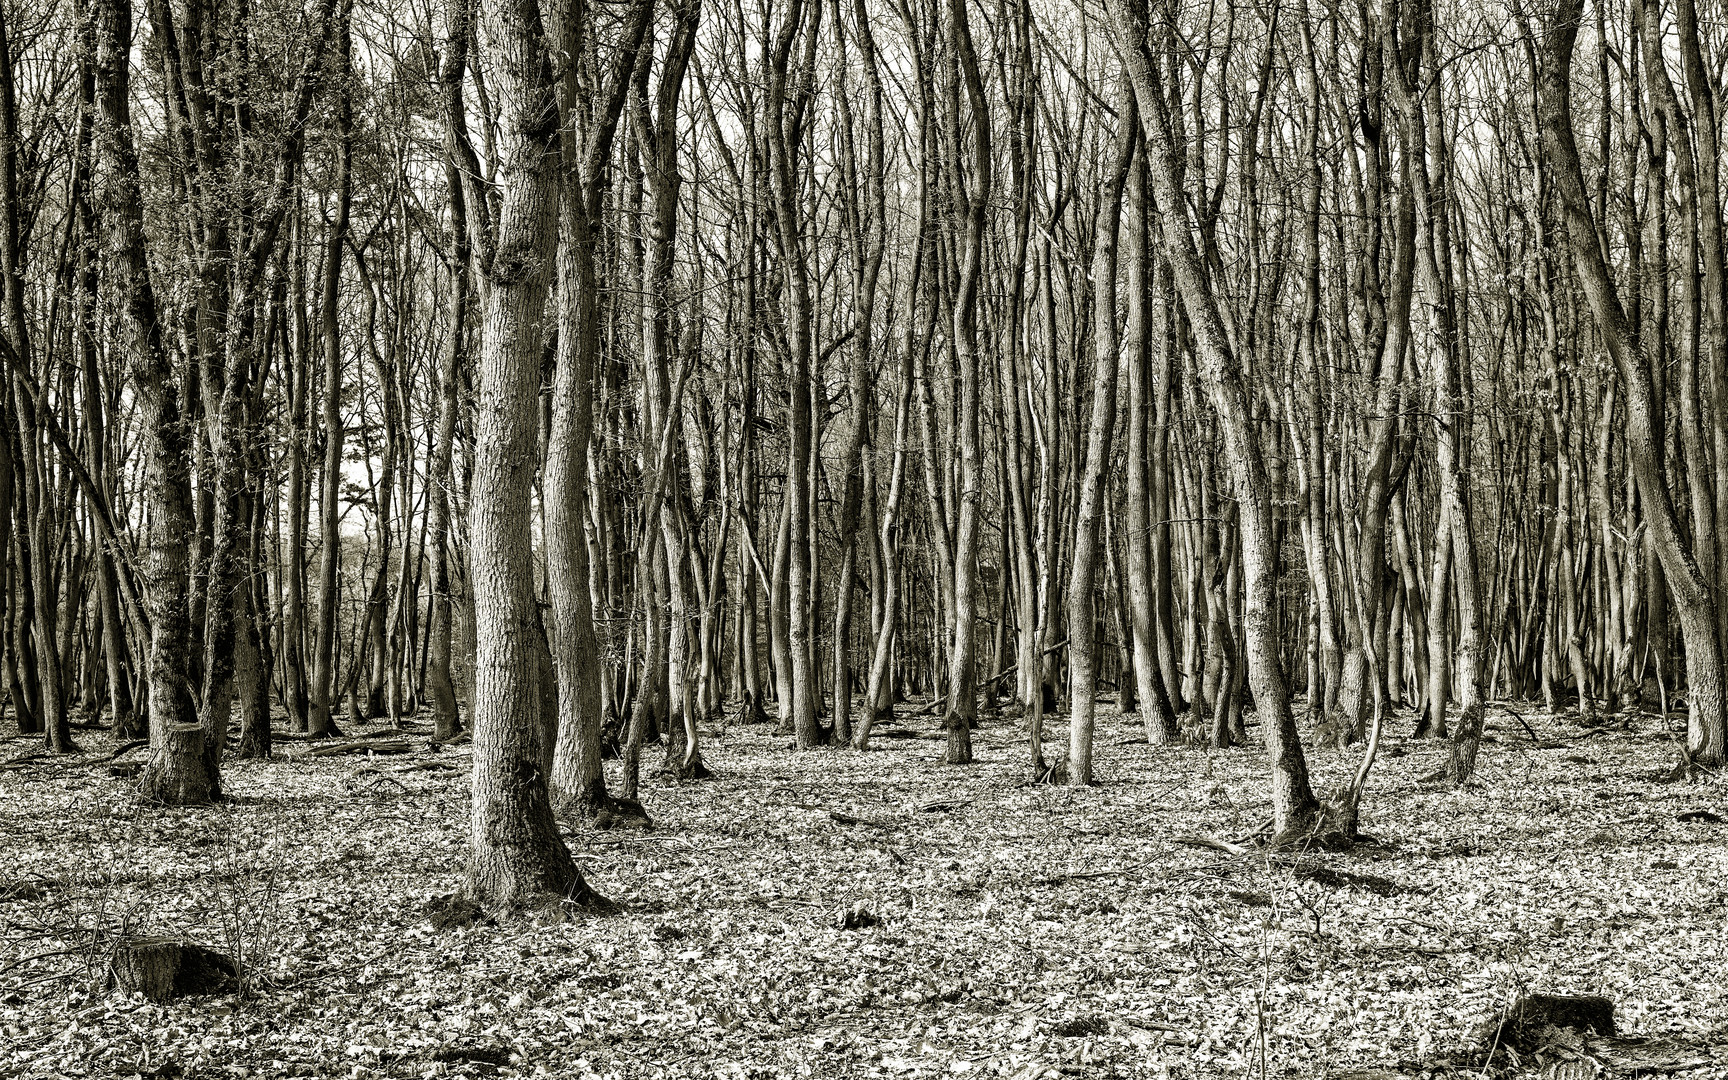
[(863, 539)]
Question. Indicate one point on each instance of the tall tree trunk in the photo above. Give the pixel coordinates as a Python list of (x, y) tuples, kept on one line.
[(516, 858), (1295, 809), (324, 690), (972, 191), (578, 781), (1082, 620), (1694, 601), (177, 771)]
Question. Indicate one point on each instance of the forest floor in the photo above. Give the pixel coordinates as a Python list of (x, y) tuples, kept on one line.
[(1011, 930)]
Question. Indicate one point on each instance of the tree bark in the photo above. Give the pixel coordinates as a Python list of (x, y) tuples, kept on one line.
[(516, 858)]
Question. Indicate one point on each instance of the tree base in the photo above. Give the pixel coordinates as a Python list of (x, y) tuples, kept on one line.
[(1054, 773), (177, 773), (1332, 829), (603, 810), (815, 738), (1533, 1020), (959, 749), (1466, 742), (678, 767), (470, 904)]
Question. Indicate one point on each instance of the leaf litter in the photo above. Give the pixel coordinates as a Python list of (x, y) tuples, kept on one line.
[(873, 915)]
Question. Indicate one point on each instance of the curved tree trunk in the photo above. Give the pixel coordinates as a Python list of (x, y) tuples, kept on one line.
[(1694, 601), (1295, 810)]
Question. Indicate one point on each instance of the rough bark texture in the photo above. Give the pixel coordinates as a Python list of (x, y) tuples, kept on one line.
[(516, 859), (176, 770)]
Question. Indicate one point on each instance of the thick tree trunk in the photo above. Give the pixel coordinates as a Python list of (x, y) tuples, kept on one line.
[(516, 859), (176, 771)]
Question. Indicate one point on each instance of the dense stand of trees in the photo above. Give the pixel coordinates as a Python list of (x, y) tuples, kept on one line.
[(576, 372)]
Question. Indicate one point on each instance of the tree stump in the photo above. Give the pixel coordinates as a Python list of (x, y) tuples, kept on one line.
[(1535, 1020), (163, 969), (146, 966)]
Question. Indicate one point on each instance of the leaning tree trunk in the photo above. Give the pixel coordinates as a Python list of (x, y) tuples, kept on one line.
[(1158, 715), (1295, 810), (1694, 602)]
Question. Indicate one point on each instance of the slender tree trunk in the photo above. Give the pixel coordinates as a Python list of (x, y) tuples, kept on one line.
[(1693, 599), (1082, 621), (1294, 807)]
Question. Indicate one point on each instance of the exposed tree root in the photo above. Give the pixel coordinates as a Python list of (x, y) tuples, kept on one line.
[(604, 810)]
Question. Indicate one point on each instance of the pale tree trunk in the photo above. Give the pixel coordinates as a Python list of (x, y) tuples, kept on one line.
[(657, 139), (1308, 438), (461, 174), (877, 689), (1050, 460), (1425, 138), (440, 495), (788, 101), (1157, 714), (1388, 313), (1015, 404), (1082, 623), (865, 209), (294, 660), (878, 693)]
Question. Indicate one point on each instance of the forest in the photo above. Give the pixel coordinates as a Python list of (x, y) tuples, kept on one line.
[(755, 538)]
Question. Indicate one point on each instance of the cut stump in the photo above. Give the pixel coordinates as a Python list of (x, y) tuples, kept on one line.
[(147, 966), (163, 969)]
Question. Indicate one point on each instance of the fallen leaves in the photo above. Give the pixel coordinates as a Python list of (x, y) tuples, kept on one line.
[(834, 913)]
